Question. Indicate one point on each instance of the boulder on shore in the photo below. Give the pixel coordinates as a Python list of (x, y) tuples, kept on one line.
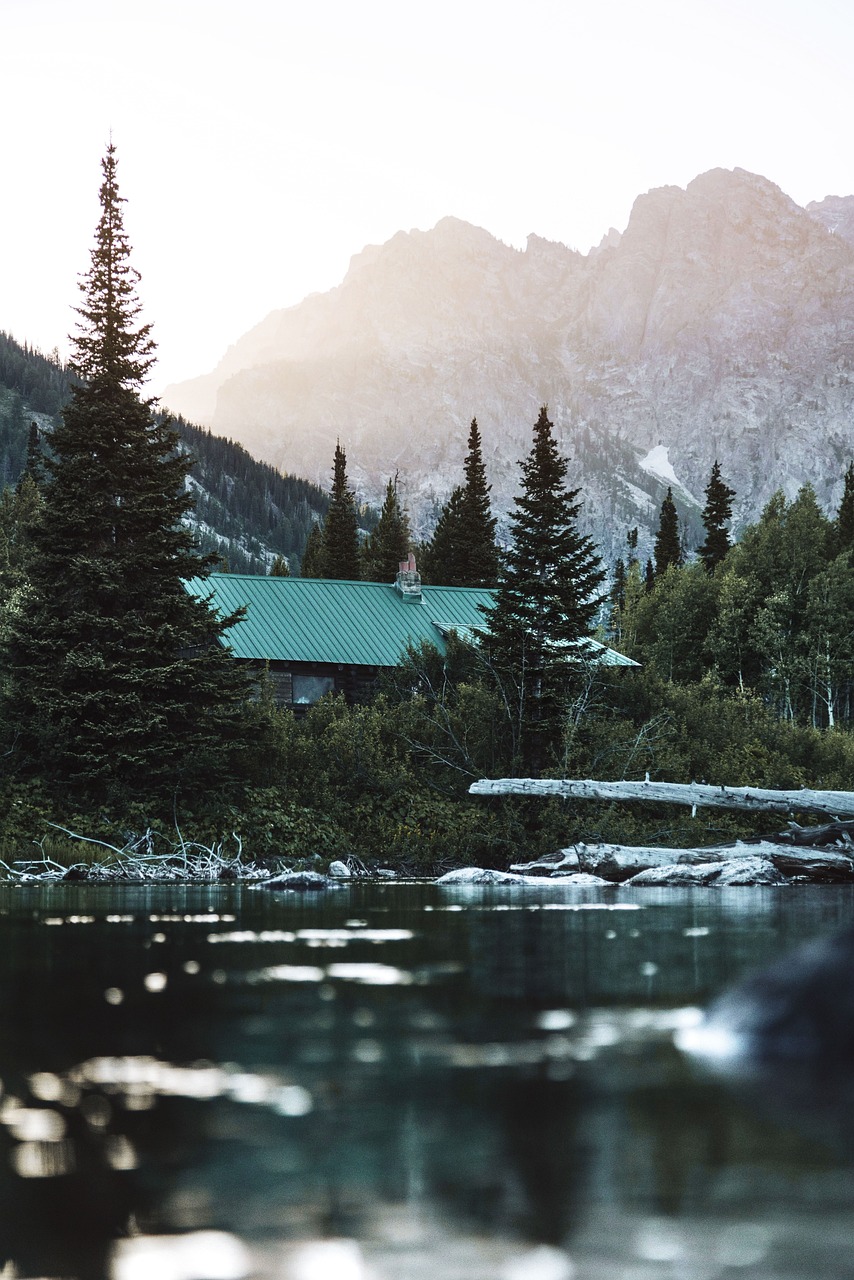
[(480, 875), (299, 880), (737, 871)]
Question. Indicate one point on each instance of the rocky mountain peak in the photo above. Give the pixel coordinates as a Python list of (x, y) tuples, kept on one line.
[(720, 324)]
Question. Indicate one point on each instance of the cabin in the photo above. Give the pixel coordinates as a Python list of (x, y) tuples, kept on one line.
[(317, 635)]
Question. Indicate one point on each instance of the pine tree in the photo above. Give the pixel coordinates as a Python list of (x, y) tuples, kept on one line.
[(547, 594), (280, 568), (716, 515), (312, 557), (463, 551), (340, 529), (388, 542), (119, 685), (617, 597), (35, 458), (443, 558), (668, 548), (845, 514), (481, 563), (649, 577)]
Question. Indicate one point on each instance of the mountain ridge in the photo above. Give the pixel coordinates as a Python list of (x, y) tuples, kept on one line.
[(719, 324)]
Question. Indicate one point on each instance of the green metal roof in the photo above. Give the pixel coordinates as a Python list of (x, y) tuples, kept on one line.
[(354, 623), (324, 620)]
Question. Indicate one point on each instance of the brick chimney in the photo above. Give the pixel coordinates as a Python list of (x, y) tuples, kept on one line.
[(408, 580)]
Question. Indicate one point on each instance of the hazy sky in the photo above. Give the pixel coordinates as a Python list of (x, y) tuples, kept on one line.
[(261, 144)]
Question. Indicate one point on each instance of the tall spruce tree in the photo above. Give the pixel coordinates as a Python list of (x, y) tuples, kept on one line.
[(388, 542), (478, 532), (546, 597), (716, 516), (845, 514), (463, 551), (311, 565), (340, 555), (668, 548), (443, 559), (119, 686)]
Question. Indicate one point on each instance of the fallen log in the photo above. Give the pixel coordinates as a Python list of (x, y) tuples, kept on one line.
[(696, 794), (831, 833)]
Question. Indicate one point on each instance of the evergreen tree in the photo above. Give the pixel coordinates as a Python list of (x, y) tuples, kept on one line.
[(481, 557), (20, 512), (119, 685), (388, 543), (280, 568), (668, 548), (649, 577), (463, 551), (618, 587), (443, 558), (312, 557), (716, 515), (546, 597), (35, 458), (617, 597), (340, 557), (845, 514)]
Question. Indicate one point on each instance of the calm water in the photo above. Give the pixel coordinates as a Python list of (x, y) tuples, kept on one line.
[(398, 1082)]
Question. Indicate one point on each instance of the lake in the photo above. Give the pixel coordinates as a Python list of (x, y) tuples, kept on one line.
[(399, 1082)]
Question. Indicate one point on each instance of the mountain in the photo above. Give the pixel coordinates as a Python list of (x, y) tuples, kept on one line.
[(245, 511), (718, 325), (836, 213)]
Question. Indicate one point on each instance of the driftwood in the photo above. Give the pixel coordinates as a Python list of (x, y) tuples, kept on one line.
[(696, 794), (840, 834)]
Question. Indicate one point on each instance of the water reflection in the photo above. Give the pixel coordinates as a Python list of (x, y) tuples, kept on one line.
[(394, 1083)]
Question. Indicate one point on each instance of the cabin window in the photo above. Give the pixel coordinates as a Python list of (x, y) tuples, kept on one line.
[(310, 689), (280, 684)]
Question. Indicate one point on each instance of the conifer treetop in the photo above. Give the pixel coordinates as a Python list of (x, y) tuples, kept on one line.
[(110, 342), (668, 548), (716, 515)]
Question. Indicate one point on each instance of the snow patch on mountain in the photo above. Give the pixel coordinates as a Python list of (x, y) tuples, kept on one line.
[(657, 463)]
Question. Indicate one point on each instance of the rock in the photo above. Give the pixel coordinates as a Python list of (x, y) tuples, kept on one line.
[(340, 870), (385, 873), (739, 871), (756, 871), (300, 880), (582, 878), (77, 873), (784, 1040), (480, 875)]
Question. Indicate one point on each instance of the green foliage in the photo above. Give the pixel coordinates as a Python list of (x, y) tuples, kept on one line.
[(442, 557), (312, 560), (388, 543), (118, 685), (340, 553), (463, 551), (668, 548), (845, 514), (716, 515), (546, 596)]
